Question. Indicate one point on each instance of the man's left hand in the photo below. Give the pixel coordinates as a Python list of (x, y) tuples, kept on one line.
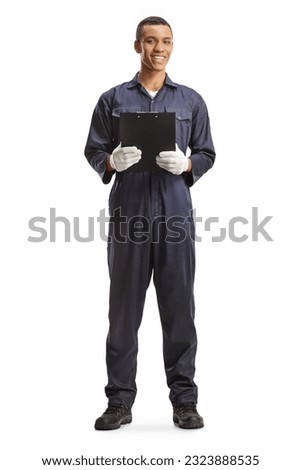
[(174, 161)]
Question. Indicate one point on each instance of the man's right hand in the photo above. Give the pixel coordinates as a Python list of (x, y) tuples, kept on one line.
[(124, 157)]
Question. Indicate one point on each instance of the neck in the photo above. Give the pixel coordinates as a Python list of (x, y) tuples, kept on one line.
[(152, 81)]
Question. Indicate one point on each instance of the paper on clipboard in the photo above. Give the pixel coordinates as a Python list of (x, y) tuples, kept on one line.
[(151, 133)]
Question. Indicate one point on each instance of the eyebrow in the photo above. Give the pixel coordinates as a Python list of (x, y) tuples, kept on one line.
[(154, 37)]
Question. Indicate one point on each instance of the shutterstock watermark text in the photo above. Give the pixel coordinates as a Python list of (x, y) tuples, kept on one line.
[(141, 229)]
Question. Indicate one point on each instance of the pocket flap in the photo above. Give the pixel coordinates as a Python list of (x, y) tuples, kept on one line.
[(182, 114)]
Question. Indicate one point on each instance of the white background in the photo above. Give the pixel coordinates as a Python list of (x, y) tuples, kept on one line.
[(57, 58)]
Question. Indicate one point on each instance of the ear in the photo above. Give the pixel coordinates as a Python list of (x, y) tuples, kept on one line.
[(137, 46)]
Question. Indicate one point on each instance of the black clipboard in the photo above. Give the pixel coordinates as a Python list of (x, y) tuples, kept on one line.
[(151, 133)]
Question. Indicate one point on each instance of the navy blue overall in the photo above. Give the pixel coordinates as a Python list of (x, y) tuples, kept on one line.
[(151, 233)]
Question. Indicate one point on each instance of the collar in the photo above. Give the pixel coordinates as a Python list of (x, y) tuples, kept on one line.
[(136, 82)]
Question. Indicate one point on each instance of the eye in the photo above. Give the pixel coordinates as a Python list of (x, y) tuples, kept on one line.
[(167, 42), (150, 41)]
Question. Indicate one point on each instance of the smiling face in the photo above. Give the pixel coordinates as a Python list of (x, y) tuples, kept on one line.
[(155, 47)]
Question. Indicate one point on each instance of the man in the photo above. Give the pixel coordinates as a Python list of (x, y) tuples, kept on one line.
[(153, 199)]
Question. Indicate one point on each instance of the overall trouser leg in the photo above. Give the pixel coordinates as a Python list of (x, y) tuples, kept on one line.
[(130, 271), (174, 270)]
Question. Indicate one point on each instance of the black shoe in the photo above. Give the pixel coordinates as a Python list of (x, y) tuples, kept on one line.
[(113, 417), (187, 417)]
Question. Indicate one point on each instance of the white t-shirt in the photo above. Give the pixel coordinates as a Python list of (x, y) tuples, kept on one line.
[(152, 94)]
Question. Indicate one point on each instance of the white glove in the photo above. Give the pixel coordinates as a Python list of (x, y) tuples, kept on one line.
[(124, 157), (174, 161)]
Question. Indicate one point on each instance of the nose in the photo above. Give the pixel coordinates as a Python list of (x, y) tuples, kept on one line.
[(159, 47)]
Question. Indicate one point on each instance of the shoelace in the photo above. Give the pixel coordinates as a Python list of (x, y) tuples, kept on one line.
[(186, 408), (114, 409)]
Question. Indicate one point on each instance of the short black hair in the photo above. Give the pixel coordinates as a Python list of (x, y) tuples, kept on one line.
[(154, 20)]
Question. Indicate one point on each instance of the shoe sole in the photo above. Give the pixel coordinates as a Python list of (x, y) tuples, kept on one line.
[(111, 427), (192, 425)]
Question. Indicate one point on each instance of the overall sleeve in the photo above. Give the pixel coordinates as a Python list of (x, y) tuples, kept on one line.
[(201, 145), (100, 142)]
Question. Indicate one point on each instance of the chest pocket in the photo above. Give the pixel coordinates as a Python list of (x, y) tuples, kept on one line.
[(183, 126)]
